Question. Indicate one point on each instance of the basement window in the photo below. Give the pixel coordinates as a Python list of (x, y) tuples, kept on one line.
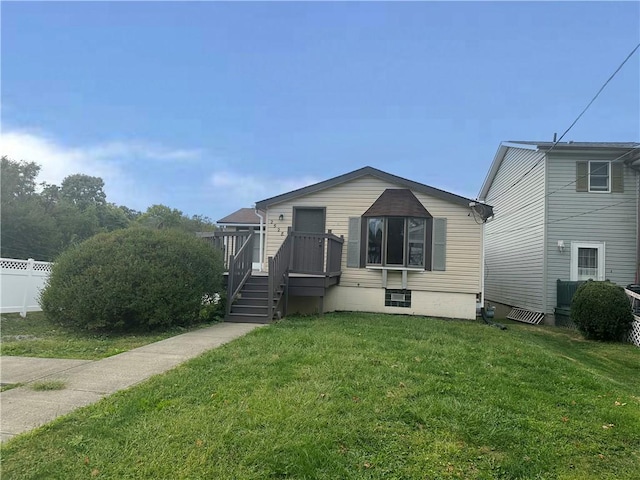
[(397, 298)]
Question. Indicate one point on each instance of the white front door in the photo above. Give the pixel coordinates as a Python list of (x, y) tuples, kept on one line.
[(587, 260)]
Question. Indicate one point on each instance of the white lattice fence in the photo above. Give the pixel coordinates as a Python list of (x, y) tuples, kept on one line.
[(634, 335), (20, 284)]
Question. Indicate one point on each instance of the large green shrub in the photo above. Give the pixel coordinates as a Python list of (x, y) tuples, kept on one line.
[(136, 278), (601, 311)]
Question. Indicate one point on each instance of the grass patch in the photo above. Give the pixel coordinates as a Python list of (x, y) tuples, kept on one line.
[(9, 386), (47, 385), (36, 336), (362, 396)]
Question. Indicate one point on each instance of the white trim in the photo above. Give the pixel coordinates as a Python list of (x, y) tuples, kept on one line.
[(608, 176), (600, 246), (261, 254), (497, 162), (395, 267)]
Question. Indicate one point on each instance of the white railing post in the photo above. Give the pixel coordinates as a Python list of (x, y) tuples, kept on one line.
[(27, 285)]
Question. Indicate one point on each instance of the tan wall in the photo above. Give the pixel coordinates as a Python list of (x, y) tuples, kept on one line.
[(352, 199), (432, 304)]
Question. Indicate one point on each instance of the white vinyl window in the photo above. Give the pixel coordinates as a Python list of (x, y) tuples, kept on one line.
[(599, 177), (587, 261)]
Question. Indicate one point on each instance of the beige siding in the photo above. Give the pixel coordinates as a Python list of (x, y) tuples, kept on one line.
[(595, 217), (514, 238), (352, 199)]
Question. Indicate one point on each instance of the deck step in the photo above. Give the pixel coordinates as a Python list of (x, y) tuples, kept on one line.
[(526, 316), (255, 301), (253, 309), (246, 318)]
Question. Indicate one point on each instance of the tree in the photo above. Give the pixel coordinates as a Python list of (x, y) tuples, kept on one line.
[(26, 230), (83, 191), (18, 179), (161, 216)]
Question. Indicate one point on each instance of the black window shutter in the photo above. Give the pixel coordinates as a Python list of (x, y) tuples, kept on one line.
[(617, 177), (582, 176)]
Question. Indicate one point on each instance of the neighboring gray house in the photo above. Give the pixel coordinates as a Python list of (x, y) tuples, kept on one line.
[(567, 211)]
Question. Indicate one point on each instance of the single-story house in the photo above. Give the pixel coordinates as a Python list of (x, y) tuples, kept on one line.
[(364, 241)]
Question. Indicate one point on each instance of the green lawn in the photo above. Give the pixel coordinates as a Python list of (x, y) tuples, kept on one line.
[(36, 336), (362, 396)]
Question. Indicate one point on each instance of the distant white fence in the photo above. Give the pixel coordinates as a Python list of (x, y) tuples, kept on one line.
[(20, 284)]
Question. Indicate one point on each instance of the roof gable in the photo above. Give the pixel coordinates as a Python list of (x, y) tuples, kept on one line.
[(347, 177), (397, 202)]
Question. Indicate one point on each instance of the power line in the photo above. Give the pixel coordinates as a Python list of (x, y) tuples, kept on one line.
[(519, 209), (570, 126), (633, 200)]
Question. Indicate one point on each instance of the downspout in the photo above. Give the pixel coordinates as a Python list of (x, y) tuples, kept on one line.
[(482, 268), (261, 237)]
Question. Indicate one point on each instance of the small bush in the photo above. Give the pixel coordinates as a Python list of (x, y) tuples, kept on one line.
[(601, 311), (136, 278), (213, 307)]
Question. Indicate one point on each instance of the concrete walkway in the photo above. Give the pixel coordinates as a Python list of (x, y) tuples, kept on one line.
[(87, 381)]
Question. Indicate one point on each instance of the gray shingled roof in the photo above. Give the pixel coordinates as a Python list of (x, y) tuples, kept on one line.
[(579, 144), (244, 216)]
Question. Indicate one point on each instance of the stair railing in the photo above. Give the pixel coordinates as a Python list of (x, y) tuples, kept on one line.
[(279, 266), (239, 270)]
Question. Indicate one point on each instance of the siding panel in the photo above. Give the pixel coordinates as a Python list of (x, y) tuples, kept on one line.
[(352, 199), (596, 217), (514, 239)]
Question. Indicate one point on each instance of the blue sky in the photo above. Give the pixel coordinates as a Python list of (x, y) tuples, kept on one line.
[(208, 107)]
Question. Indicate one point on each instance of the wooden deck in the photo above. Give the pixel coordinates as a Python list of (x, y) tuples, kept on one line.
[(306, 265)]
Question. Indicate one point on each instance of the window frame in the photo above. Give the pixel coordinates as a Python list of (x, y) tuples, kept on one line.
[(575, 249), (406, 241), (591, 189)]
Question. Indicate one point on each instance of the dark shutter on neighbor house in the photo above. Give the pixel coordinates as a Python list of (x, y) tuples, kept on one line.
[(439, 244), (617, 177), (353, 242), (582, 176)]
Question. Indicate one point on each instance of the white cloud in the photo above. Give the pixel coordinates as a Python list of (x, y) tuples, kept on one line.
[(105, 160), (248, 189)]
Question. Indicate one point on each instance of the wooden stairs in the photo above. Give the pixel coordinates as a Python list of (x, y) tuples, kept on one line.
[(251, 304)]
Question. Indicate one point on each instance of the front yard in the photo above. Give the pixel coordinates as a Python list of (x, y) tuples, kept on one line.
[(362, 396), (36, 336)]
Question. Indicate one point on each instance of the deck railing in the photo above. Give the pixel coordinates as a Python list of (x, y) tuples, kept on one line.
[(227, 242), (565, 290), (239, 270), (316, 253), (278, 275)]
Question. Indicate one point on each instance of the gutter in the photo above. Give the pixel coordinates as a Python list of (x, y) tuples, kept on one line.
[(634, 164), (261, 237)]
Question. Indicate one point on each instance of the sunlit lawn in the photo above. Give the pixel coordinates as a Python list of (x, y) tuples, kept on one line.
[(362, 396)]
